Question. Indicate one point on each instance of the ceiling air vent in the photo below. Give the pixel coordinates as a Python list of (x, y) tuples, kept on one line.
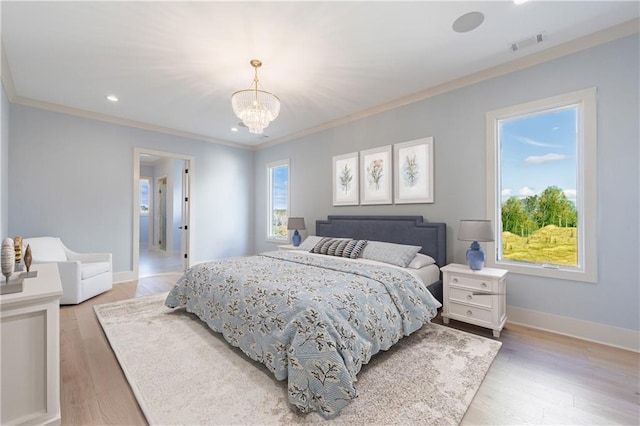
[(527, 42)]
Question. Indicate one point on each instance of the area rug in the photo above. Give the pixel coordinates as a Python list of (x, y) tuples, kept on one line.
[(183, 373)]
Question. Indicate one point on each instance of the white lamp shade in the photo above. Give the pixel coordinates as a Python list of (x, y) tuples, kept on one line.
[(475, 230)]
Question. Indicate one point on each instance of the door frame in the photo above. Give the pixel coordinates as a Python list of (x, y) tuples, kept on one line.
[(135, 255)]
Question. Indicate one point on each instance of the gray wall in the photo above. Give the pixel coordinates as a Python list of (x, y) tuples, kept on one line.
[(4, 165), (456, 120), (73, 177)]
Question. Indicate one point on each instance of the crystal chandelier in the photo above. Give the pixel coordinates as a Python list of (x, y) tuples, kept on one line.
[(256, 108)]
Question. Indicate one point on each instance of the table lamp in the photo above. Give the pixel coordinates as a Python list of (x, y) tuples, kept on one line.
[(295, 223), (475, 230)]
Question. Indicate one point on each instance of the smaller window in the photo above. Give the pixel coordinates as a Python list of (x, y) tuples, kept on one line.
[(144, 196), (277, 200)]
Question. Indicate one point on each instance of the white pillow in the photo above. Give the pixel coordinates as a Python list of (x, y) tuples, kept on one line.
[(394, 254), (420, 261), (309, 243)]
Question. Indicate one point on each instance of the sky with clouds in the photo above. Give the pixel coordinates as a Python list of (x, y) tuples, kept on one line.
[(280, 187), (539, 151)]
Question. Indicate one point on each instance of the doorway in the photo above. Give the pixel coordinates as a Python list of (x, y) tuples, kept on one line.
[(161, 240)]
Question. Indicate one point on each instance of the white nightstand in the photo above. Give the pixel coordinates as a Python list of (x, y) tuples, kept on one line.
[(287, 247), (476, 297)]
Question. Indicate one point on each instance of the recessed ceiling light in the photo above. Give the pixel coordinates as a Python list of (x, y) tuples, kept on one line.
[(468, 22), (234, 129), (519, 1), (112, 98)]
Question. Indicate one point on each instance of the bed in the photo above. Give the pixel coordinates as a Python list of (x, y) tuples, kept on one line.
[(314, 318)]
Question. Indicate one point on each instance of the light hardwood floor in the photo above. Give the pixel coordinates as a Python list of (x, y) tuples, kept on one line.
[(537, 377)]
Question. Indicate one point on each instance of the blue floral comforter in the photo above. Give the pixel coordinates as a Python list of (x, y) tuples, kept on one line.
[(315, 320)]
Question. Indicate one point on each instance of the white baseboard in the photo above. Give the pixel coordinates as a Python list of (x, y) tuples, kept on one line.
[(124, 276), (592, 331)]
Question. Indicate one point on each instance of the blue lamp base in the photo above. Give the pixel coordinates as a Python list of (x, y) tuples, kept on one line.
[(296, 239), (475, 256)]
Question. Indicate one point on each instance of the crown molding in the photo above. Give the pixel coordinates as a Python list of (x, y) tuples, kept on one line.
[(5, 75), (122, 121), (619, 31)]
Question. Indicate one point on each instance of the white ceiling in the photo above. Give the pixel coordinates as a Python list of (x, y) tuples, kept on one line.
[(176, 64)]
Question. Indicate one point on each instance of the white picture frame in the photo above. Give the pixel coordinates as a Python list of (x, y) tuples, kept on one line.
[(376, 175), (413, 172), (346, 187)]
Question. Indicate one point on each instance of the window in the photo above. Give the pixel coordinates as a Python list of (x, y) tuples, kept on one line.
[(277, 200), (541, 186), (144, 196)]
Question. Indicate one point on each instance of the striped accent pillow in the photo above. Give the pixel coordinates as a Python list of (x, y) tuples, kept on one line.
[(333, 247), (354, 248), (319, 244), (325, 247), (340, 248), (357, 250)]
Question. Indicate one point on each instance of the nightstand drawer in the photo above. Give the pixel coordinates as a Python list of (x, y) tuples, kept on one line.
[(473, 283), (466, 311), (464, 295)]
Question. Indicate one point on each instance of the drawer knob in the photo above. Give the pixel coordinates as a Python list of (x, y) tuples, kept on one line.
[(469, 297), (455, 281), (469, 313), (483, 285)]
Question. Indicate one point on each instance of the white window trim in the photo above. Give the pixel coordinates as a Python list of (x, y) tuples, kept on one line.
[(586, 203), (271, 238)]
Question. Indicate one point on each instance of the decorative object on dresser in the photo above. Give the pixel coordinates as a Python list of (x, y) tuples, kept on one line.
[(28, 257), (375, 182), (413, 171), (8, 258), (475, 230), (17, 246), (346, 184), (476, 297), (295, 224)]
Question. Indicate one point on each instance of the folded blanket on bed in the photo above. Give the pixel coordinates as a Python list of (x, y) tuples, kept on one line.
[(313, 320)]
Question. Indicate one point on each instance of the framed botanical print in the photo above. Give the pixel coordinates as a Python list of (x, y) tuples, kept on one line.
[(376, 176), (345, 180), (413, 177)]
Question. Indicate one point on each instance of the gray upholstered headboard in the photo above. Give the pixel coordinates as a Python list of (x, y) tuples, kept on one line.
[(392, 229)]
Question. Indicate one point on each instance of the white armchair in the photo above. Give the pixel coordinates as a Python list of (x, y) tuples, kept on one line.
[(83, 275)]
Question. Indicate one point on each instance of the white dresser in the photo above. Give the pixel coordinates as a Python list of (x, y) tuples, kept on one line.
[(30, 363), (475, 297)]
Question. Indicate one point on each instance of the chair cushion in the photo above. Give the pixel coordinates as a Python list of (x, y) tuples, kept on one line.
[(45, 249), (91, 269)]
